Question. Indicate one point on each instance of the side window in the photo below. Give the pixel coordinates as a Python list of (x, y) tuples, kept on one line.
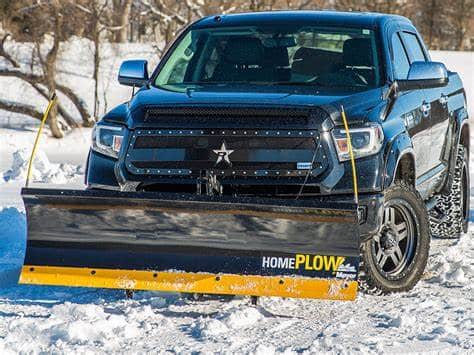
[(401, 65), (415, 52)]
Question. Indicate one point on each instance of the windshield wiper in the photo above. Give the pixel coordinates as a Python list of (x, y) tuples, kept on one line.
[(294, 83)]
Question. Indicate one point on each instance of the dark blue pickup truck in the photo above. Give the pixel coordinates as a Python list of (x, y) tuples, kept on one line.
[(251, 106)]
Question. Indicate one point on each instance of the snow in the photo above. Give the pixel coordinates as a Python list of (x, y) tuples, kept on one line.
[(435, 317), (42, 170), (233, 318)]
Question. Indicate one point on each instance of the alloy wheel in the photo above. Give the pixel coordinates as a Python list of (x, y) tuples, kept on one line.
[(394, 247)]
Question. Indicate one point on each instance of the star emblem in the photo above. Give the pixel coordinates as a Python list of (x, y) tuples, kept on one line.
[(223, 154)]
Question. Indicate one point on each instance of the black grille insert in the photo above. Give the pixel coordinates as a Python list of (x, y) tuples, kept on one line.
[(248, 153), (233, 117), (214, 142)]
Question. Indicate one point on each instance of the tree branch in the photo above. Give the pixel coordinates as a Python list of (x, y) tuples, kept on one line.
[(17, 107), (87, 120), (166, 17), (67, 117), (34, 79), (4, 54)]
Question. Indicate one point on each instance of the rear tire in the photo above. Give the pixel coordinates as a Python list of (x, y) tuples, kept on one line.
[(454, 204), (395, 259)]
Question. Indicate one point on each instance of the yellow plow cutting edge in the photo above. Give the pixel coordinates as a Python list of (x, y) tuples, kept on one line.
[(191, 282)]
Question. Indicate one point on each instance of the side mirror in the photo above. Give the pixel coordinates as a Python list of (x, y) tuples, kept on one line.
[(424, 75), (133, 73)]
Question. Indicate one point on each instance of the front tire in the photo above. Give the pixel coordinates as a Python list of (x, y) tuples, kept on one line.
[(394, 260)]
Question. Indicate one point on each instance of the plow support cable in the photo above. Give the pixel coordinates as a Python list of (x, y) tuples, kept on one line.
[(51, 103), (351, 155)]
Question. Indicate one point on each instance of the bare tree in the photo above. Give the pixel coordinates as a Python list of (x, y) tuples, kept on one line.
[(46, 25), (121, 14), (461, 13), (95, 15)]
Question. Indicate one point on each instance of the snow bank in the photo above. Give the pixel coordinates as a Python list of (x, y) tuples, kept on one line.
[(69, 326), (58, 161), (12, 244), (227, 321), (42, 169), (454, 267)]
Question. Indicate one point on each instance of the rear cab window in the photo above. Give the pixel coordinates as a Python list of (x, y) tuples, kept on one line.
[(401, 64), (415, 51)]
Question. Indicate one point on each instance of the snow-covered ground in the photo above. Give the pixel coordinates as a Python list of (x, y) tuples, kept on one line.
[(436, 317)]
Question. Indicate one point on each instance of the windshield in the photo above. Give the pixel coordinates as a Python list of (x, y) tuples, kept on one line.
[(248, 55)]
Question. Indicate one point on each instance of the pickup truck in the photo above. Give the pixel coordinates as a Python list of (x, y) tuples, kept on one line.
[(250, 105)]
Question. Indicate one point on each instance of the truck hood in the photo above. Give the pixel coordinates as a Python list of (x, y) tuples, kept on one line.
[(307, 99), (234, 96)]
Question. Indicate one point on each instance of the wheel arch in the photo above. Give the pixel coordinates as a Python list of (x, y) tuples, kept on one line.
[(400, 162), (405, 169), (461, 137), (464, 137)]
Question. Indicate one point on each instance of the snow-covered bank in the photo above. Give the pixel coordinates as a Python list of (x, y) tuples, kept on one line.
[(435, 317), (42, 170), (59, 161)]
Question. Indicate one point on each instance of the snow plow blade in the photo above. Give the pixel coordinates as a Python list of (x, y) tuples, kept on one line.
[(191, 243)]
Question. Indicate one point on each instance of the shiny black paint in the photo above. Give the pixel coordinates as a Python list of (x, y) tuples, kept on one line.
[(100, 171), (133, 73)]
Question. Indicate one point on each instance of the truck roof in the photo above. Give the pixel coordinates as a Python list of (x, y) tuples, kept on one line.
[(328, 17)]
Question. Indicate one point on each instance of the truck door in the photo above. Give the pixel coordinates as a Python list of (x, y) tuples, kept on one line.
[(414, 106), (434, 107)]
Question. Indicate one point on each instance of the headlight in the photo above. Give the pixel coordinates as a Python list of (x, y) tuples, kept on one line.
[(365, 141), (107, 139)]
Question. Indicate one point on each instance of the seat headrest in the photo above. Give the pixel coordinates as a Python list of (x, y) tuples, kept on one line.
[(244, 50), (276, 57), (357, 52), (314, 61)]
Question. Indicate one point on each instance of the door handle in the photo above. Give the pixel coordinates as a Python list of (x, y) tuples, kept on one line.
[(443, 100), (425, 109)]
